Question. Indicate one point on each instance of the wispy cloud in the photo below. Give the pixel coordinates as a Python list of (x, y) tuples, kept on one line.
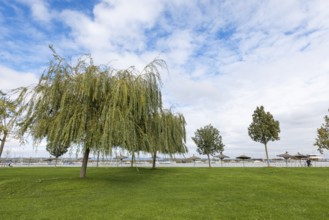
[(39, 10), (11, 79)]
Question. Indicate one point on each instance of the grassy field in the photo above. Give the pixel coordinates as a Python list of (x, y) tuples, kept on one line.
[(166, 193)]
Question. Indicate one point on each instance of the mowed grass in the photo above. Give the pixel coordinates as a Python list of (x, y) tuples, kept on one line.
[(164, 193)]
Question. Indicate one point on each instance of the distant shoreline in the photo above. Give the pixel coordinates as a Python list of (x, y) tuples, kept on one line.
[(170, 164)]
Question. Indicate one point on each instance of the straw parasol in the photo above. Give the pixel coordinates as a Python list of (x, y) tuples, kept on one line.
[(221, 156), (286, 156), (243, 158), (299, 157), (194, 158), (120, 157)]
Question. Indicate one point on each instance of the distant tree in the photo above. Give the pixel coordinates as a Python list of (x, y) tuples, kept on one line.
[(208, 141), (264, 128), (56, 150), (322, 140)]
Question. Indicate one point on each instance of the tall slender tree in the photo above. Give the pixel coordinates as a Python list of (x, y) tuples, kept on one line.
[(322, 139), (264, 128), (208, 141)]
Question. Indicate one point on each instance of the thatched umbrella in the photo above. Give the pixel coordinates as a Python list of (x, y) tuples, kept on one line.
[(286, 156), (299, 157), (221, 156), (120, 157), (194, 158), (243, 157)]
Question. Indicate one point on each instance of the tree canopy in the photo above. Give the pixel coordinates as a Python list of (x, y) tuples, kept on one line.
[(97, 107), (56, 151), (264, 128), (167, 134), (322, 139), (208, 141)]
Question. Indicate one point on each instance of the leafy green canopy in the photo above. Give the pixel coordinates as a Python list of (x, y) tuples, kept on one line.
[(208, 140), (322, 139), (263, 127), (97, 108), (56, 151)]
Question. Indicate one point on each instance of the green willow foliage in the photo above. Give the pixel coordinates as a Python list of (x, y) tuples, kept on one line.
[(97, 108), (167, 131)]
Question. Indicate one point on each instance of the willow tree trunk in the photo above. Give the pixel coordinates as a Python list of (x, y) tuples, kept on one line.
[(3, 141), (209, 160), (83, 170), (268, 162), (132, 159), (97, 159), (154, 159)]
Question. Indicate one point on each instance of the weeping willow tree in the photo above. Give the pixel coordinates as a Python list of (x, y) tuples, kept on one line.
[(94, 107), (167, 134)]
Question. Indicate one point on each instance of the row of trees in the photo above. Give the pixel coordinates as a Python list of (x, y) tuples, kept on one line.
[(264, 128), (96, 108)]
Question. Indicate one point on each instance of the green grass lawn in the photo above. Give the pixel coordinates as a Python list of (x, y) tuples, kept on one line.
[(166, 193)]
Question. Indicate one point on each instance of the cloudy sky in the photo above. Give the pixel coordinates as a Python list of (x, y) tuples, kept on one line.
[(225, 58)]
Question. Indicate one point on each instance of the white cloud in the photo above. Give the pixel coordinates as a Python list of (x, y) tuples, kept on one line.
[(39, 9), (116, 25), (178, 47), (11, 79)]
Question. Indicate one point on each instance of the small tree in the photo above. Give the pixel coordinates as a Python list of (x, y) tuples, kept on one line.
[(322, 140), (208, 141), (264, 128), (56, 150)]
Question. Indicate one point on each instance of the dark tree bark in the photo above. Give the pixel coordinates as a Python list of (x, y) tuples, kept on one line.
[(132, 159), (97, 158), (154, 159), (83, 170)]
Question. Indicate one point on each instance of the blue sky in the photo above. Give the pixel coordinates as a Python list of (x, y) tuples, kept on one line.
[(225, 58)]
